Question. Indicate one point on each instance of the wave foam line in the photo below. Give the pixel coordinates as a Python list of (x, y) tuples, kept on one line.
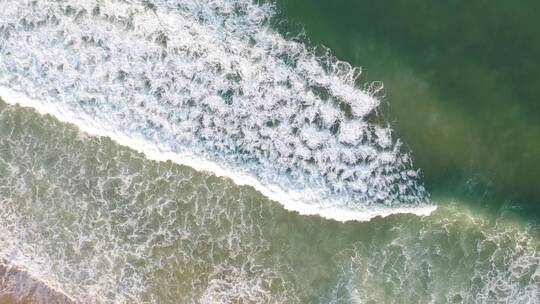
[(211, 86), (291, 200)]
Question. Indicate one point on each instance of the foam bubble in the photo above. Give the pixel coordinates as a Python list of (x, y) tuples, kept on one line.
[(210, 85)]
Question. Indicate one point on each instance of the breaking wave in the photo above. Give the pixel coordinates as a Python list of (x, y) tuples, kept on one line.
[(210, 85), (86, 220)]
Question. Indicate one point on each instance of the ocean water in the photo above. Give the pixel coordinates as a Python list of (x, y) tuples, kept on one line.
[(205, 152), (460, 87)]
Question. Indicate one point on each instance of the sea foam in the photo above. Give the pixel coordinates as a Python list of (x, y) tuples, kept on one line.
[(210, 85)]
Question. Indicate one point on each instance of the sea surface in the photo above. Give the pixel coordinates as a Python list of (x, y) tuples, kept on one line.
[(231, 151)]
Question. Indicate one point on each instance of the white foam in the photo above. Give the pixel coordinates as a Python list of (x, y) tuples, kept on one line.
[(210, 86), (108, 226), (498, 262), (292, 200)]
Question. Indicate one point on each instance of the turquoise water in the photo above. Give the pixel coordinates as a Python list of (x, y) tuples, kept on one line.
[(100, 200)]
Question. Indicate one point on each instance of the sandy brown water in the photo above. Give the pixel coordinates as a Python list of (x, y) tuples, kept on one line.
[(18, 287)]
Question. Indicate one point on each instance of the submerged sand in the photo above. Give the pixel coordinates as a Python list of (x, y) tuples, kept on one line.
[(17, 286)]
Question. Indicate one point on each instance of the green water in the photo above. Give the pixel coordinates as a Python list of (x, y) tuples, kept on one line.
[(101, 217), (461, 86), (104, 224)]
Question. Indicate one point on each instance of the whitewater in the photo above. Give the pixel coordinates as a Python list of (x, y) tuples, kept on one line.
[(210, 85), (123, 118)]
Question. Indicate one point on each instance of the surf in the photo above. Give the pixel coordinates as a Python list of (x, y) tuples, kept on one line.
[(100, 223), (210, 85)]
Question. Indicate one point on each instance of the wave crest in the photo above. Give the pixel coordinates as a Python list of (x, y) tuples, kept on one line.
[(210, 85)]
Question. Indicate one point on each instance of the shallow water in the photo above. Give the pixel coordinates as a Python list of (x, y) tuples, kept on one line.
[(19, 286), (102, 222)]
